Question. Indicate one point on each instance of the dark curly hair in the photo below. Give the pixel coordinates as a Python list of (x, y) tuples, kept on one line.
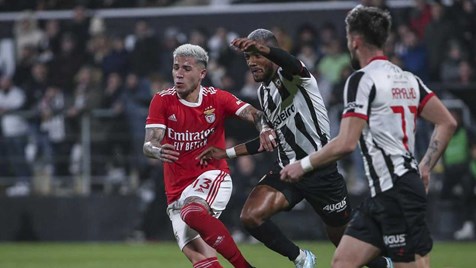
[(265, 36), (371, 22)]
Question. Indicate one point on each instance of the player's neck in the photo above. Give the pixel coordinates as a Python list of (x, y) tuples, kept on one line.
[(192, 96), (268, 80), (367, 56)]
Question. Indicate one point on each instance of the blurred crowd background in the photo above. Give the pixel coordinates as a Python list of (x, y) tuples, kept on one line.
[(75, 89)]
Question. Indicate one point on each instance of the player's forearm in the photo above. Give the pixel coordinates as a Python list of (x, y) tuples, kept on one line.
[(260, 121), (288, 62), (150, 150), (152, 141), (438, 142), (248, 148), (333, 151), (257, 117)]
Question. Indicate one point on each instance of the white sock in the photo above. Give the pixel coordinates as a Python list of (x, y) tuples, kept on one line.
[(301, 256)]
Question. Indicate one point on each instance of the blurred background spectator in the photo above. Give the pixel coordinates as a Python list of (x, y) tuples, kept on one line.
[(75, 89), (458, 181), (15, 136)]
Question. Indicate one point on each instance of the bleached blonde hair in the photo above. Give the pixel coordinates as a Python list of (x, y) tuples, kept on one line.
[(194, 51)]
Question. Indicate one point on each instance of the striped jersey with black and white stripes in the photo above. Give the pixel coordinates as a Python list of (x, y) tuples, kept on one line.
[(294, 106), (389, 99)]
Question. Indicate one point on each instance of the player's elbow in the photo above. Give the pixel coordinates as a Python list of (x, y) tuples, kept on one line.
[(345, 143), (451, 125), (348, 148)]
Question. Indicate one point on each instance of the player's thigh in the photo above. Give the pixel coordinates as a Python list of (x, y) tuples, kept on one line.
[(263, 202), (352, 251), (329, 198), (182, 232), (422, 261), (271, 196), (214, 187), (412, 197), (400, 214)]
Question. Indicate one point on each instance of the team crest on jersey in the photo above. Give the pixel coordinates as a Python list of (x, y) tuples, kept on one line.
[(210, 114)]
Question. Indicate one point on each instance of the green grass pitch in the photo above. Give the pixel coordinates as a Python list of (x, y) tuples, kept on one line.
[(167, 255)]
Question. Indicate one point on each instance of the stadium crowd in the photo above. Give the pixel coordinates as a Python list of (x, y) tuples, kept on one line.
[(53, 72)]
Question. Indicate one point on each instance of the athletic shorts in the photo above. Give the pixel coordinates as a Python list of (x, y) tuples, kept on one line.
[(325, 190), (215, 187), (394, 220)]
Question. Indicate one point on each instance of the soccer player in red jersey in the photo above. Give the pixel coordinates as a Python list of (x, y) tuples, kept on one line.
[(183, 120)]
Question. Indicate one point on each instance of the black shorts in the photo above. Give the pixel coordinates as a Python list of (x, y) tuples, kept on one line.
[(325, 190), (394, 220)]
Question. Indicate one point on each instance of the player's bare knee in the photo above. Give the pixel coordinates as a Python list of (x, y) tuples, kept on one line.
[(338, 262), (194, 206), (335, 262), (198, 200), (250, 218)]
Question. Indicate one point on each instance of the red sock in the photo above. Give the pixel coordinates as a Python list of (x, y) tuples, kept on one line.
[(213, 232), (208, 263)]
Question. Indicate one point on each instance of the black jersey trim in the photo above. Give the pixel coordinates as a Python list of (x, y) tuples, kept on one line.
[(352, 88), (422, 90), (386, 158), (368, 158), (310, 107), (302, 128), (291, 140)]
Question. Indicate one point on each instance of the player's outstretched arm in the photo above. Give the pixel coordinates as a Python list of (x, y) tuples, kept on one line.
[(280, 57), (153, 149), (342, 145), (247, 148), (445, 125)]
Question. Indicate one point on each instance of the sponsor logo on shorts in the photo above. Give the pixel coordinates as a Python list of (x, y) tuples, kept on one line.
[(336, 207), (396, 240)]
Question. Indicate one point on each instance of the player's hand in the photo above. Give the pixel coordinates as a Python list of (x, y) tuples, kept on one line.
[(267, 138), (248, 45), (292, 172), (425, 175), (211, 153), (167, 153)]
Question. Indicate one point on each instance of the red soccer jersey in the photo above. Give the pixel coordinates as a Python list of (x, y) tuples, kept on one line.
[(190, 128)]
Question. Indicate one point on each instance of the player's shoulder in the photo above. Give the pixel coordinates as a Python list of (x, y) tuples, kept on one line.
[(166, 92), (376, 70), (356, 75), (214, 92), (409, 75), (211, 90)]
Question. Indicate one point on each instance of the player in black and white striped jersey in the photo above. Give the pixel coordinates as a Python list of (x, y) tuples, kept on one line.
[(292, 103), (382, 103)]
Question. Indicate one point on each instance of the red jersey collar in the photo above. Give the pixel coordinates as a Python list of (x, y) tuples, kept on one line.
[(378, 58)]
